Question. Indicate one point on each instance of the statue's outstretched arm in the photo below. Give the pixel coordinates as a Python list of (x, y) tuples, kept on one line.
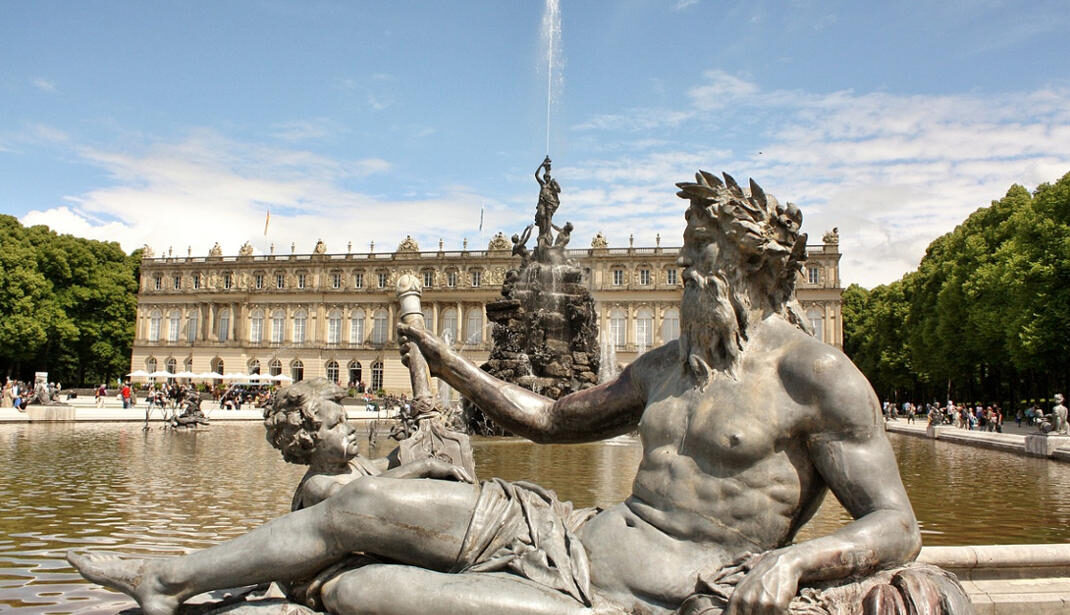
[(600, 412)]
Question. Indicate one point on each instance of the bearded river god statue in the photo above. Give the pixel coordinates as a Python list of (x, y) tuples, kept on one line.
[(746, 422)]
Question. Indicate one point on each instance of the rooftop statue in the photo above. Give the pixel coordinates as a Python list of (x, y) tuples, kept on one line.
[(746, 422), (216, 250), (246, 249)]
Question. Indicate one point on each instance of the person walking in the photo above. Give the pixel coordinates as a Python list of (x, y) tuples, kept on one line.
[(125, 394), (102, 392)]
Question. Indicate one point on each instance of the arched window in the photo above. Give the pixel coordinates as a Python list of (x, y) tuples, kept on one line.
[(224, 325), (817, 322), (217, 366), (174, 319), (334, 327), (187, 365), (300, 323), (473, 327), (171, 365), (150, 364), (356, 326), (155, 317), (278, 324), (332, 371), (379, 326), (275, 367), (429, 319), (670, 325), (254, 367), (191, 326), (618, 326), (297, 370), (256, 326), (354, 373), (449, 325), (377, 376), (644, 328)]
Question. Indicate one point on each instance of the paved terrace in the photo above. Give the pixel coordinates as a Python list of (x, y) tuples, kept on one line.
[(1021, 441)]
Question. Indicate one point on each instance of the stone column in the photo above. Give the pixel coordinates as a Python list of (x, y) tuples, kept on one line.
[(658, 307), (321, 324), (460, 317), (433, 325), (390, 334)]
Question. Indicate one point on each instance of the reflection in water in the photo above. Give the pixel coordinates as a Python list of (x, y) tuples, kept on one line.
[(113, 486)]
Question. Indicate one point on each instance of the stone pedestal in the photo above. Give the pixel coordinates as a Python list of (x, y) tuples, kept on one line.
[(1040, 445), (934, 431)]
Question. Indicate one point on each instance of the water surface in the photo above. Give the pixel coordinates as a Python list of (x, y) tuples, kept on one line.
[(114, 486)]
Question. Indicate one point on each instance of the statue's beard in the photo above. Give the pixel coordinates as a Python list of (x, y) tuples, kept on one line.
[(710, 336)]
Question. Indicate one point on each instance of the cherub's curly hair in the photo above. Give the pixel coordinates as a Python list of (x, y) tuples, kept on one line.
[(766, 234), (292, 421)]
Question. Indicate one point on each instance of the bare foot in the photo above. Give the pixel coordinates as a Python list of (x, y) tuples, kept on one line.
[(133, 576)]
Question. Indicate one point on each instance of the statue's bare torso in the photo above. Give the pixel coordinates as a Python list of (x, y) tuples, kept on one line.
[(725, 469)]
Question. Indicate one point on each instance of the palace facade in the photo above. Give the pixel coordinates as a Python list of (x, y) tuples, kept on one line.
[(334, 315)]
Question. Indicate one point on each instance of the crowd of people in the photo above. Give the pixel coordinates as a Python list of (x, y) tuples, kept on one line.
[(17, 394), (978, 417)]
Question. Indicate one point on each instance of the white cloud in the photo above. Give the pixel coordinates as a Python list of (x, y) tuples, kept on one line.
[(301, 130), (45, 85), (891, 171)]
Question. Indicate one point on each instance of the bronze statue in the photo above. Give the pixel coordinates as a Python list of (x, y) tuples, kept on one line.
[(746, 422)]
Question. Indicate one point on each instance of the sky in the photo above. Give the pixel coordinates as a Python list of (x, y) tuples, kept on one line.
[(179, 125)]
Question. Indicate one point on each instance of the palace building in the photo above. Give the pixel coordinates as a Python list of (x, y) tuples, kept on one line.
[(334, 315)]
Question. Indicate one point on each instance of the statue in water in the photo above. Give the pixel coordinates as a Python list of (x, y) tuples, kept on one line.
[(746, 422)]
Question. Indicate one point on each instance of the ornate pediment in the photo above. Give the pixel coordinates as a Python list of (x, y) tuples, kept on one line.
[(499, 242), (599, 241), (408, 245)]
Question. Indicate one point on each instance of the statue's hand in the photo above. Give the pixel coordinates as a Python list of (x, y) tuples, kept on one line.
[(443, 470), (432, 348), (768, 588)]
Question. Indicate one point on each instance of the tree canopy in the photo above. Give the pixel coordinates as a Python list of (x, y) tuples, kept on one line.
[(67, 305), (986, 316)]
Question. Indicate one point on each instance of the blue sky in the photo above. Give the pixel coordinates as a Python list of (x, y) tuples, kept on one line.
[(181, 124)]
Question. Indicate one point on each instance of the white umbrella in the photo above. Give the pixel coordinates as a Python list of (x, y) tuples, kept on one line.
[(140, 373), (283, 378), (235, 376), (212, 376), (161, 374), (186, 375)]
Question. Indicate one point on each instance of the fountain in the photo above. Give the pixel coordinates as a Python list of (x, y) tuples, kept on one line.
[(545, 325)]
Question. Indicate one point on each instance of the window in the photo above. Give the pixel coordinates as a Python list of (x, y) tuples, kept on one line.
[(477, 277), (224, 326), (177, 282), (228, 280), (379, 333), (297, 370), (644, 328), (301, 278), (155, 317), (334, 327), (275, 367), (300, 320), (358, 280), (474, 326), (817, 323), (157, 282), (174, 319), (618, 277), (354, 373), (332, 371), (618, 323), (670, 277), (382, 280), (356, 327), (196, 281), (217, 366), (644, 277), (256, 327), (191, 326), (814, 275), (449, 325), (187, 365), (451, 279), (258, 280), (171, 365), (429, 277), (377, 376), (254, 368), (280, 280), (278, 322), (336, 280), (150, 364), (429, 318), (670, 324)]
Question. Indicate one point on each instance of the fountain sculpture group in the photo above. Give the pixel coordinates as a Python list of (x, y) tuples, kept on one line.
[(746, 422)]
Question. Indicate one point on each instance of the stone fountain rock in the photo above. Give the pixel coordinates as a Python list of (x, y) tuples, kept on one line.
[(545, 325)]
